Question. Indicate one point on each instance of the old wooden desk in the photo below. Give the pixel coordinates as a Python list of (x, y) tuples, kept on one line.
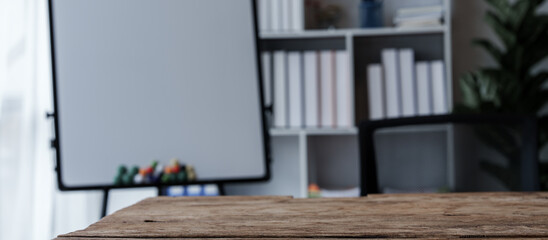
[(462, 215)]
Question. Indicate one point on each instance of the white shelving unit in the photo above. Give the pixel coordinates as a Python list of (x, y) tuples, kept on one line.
[(330, 157)]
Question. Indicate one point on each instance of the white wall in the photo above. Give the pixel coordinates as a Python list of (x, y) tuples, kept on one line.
[(467, 25)]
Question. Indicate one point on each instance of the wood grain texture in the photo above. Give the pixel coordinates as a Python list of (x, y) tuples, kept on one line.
[(434, 216), (78, 238)]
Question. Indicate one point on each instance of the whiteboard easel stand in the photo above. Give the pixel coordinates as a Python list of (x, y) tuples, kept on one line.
[(161, 189)]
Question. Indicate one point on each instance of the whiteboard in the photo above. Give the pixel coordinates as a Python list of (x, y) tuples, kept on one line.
[(139, 80)]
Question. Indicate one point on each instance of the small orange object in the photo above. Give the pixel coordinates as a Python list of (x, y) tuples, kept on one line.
[(142, 172), (313, 188), (167, 170)]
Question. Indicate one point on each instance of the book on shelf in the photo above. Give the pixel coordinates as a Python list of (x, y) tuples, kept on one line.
[(406, 59), (263, 14), (275, 16), (280, 90), (419, 11), (375, 87), (280, 15), (423, 16), (403, 87), (424, 85), (419, 23), (344, 101), (297, 15), (295, 89), (439, 91), (312, 90), (327, 89), (392, 83), (286, 15)]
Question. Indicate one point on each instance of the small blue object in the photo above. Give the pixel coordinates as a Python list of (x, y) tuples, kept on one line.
[(210, 190), (370, 13), (176, 191), (193, 190)]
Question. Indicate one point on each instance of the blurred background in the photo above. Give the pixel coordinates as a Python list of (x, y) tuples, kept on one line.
[(489, 56)]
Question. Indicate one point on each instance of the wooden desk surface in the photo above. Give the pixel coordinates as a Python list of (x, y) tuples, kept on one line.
[(460, 215)]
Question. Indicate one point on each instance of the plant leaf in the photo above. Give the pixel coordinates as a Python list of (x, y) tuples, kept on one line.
[(542, 100), (532, 29), (501, 139), (503, 31), (520, 11), (494, 51), (488, 88), (538, 51), (461, 108), (470, 93), (502, 174), (539, 2), (503, 7), (536, 82), (543, 131)]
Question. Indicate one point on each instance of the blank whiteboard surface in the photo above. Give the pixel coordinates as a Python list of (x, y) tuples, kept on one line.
[(137, 80)]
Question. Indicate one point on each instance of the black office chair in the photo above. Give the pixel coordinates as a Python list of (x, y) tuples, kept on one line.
[(526, 126)]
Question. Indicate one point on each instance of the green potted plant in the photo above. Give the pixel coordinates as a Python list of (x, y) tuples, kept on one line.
[(515, 84)]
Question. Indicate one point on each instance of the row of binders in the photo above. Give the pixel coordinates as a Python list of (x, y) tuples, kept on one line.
[(280, 15), (401, 87), (310, 89)]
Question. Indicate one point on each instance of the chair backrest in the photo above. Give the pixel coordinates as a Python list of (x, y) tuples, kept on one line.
[(527, 133)]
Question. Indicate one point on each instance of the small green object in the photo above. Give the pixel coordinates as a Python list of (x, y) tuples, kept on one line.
[(314, 195), (122, 170), (134, 171), (154, 164), (118, 180), (444, 189), (181, 177), (127, 180), (165, 178)]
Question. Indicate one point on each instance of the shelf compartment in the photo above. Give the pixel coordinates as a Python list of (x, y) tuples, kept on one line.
[(333, 161), (413, 161), (367, 50)]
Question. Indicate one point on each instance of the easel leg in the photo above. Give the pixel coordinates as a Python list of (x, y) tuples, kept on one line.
[(105, 202)]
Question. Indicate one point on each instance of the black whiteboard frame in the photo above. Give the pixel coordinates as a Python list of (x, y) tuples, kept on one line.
[(57, 147)]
